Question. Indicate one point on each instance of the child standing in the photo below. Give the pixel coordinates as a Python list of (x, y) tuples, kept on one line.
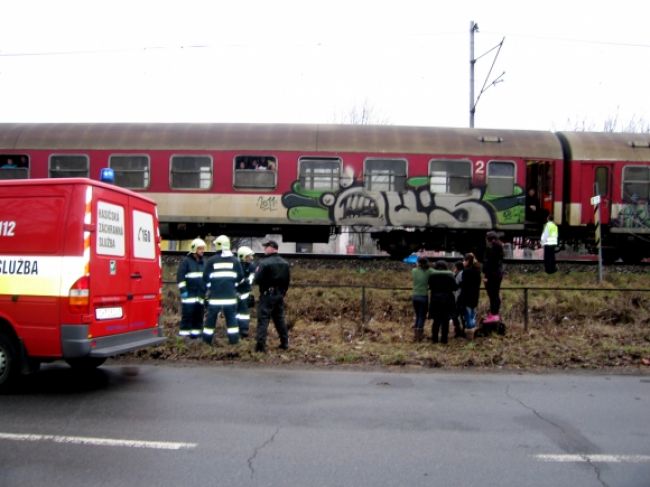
[(458, 316), (470, 289)]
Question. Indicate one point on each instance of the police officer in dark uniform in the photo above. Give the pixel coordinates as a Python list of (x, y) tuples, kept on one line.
[(273, 277)]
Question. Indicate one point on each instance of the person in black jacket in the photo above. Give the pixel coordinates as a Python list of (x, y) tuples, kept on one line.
[(189, 277), (470, 290), (493, 274), (442, 285), (273, 277), (533, 209)]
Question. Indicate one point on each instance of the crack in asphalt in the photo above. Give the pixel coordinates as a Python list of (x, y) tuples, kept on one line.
[(586, 458), (258, 449)]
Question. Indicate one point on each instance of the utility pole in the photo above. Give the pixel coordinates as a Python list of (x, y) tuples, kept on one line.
[(473, 27), (596, 200)]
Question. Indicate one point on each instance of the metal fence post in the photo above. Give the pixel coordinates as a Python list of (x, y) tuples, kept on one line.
[(526, 309)]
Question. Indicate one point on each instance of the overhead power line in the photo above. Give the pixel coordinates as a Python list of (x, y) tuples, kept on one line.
[(574, 40), (303, 43)]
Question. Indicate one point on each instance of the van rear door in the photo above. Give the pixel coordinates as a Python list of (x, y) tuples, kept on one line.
[(110, 268), (145, 271)]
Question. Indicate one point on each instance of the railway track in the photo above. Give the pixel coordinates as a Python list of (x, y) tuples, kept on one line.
[(334, 261)]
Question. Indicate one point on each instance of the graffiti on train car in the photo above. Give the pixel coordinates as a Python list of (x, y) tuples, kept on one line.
[(267, 203), (354, 205), (634, 213)]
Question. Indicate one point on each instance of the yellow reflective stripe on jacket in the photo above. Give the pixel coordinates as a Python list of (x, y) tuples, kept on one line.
[(222, 274), (192, 300), (222, 302)]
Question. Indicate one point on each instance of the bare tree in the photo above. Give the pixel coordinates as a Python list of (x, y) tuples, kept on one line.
[(364, 114), (613, 123), (636, 124)]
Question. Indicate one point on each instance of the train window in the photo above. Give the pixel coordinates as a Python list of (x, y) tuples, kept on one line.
[(602, 180), (255, 172), (500, 178), (450, 176), (131, 171), (384, 174), (320, 173), (191, 172), (69, 166), (636, 183), (14, 166)]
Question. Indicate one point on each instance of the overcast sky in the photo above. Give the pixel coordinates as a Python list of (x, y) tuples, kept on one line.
[(566, 63)]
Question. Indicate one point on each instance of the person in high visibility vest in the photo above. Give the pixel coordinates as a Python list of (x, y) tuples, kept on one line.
[(549, 240)]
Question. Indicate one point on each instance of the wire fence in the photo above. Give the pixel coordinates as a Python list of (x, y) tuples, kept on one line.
[(526, 291)]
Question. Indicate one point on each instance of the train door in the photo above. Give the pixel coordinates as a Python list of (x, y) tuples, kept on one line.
[(597, 180), (539, 179)]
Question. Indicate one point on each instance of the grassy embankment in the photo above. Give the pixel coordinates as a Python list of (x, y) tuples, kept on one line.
[(567, 329)]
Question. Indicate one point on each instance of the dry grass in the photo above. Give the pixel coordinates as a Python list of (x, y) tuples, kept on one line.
[(567, 329)]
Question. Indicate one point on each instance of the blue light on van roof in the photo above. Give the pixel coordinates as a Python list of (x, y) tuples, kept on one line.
[(107, 175)]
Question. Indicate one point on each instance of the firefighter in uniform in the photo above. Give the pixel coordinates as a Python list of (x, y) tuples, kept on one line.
[(222, 275), (549, 240), (192, 290), (273, 277), (245, 255)]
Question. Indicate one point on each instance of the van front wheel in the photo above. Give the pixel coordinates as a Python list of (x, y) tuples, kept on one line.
[(9, 366), (85, 363)]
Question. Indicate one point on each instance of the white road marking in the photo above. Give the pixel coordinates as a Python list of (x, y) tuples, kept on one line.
[(81, 440), (595, 458)]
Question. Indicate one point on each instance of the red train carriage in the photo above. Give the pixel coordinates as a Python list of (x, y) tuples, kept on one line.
[(615, 166), (411, 187)]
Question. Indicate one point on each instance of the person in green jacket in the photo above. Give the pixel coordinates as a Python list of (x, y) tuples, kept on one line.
[(420, 275)]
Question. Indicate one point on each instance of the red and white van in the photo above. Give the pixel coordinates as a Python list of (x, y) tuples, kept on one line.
[(80, 273)]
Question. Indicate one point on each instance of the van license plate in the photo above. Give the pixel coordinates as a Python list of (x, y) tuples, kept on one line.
[(108, 313)]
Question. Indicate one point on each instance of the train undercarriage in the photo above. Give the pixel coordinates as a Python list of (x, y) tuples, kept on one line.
[(399, 243), (579, 242)]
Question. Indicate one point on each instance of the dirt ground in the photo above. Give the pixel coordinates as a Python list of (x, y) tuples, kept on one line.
[(361, 316)]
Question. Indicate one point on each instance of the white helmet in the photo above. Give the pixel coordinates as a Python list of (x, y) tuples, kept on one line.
[(222, 242), (196, 243), (243, 252)]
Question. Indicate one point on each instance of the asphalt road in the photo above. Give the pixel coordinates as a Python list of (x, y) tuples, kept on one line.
[(224, 426)]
